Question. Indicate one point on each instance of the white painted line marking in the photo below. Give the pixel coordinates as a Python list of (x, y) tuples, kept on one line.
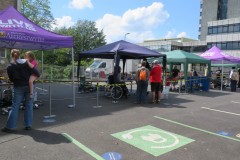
[(234, 102), (221, 111), (42, 89)]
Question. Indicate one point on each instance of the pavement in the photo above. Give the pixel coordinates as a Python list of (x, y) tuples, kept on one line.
[(186, 126)]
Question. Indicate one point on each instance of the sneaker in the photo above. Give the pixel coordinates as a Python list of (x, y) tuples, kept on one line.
[(28, 128), (7, 130)]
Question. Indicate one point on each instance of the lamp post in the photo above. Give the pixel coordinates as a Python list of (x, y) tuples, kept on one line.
[(125, 36)]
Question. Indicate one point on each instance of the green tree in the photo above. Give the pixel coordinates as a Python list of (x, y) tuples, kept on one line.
[(86, 36), (39, 12)]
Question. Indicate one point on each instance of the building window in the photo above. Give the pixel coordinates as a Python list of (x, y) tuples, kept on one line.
[(209, 45), (225, 29), (215, 30), (220, 29), (235, 45), (236, 27), (230, 28), (224, 45), (219, 45), (210, 30), (229, 45), (222, 9)]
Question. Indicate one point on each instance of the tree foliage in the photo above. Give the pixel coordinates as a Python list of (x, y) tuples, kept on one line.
[(86, 36), (39, 12)]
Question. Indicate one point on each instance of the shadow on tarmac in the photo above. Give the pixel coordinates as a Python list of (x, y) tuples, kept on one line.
[(42, 136)]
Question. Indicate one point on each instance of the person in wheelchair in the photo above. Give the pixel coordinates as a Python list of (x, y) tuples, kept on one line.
[(119, 90)]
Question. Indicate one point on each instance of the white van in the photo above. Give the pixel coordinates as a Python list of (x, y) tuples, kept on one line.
[(101, 68)]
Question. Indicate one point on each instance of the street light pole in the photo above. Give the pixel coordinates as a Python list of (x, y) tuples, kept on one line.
[(125, 36)]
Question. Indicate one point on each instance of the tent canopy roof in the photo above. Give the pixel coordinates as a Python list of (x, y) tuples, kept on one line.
[(124, 49), (179, 56), (16, 31), (215, 54)]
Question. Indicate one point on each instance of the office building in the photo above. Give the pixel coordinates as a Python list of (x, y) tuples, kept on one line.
[(219, 25)]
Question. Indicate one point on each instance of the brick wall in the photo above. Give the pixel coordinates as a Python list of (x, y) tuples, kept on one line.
[(5, 3)]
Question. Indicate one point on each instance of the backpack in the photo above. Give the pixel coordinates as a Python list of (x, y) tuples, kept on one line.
[(143, 75), (234, 76)]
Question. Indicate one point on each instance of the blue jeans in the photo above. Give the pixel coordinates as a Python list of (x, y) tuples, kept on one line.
[(141, 91), (20, 94)]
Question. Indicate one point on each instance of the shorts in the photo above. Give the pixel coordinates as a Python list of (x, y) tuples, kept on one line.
[(156, 86)]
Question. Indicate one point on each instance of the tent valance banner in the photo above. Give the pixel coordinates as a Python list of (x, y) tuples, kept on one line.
[(17, 31)]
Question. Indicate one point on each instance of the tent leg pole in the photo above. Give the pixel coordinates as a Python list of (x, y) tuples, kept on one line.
[(73, 87)]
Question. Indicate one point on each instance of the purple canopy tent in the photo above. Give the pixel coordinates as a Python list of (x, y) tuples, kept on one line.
[(16, 31), (215, 54)]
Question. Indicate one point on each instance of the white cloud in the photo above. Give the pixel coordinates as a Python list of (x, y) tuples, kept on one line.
[(139, 22), (182, 34), (80, 4), (173, 34), (170, 34), (65, 21)]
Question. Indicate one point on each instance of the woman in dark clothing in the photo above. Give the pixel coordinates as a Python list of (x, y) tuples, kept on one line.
[(19, 72)]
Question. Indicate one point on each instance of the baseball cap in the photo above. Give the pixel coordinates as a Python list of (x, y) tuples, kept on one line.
[(155, 62)]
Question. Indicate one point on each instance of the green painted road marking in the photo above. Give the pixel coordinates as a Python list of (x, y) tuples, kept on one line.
[(152, 140), (84, 148), (202, 130)]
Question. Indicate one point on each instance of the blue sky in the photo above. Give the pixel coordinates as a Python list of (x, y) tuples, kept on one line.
[(143, 19)]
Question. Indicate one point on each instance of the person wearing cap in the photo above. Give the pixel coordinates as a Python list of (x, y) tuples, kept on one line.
[(156, 81)]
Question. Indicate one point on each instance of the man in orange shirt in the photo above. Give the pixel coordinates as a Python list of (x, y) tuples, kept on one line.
[(156, 82)]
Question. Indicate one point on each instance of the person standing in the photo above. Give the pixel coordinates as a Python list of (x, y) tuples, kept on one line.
[(31, 58), (19, 73), (147, 64), (234, 76), (142, 78), (156, 82), (239, 78), (175, 72)]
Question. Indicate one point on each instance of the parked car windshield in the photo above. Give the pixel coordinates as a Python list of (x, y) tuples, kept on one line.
[(95, 64)]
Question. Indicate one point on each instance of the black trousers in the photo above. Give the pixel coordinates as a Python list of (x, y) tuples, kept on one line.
[(233, 85)]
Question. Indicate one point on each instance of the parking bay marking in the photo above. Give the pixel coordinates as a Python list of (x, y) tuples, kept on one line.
[(202, 130), (81, 146), (221, 111), (152, 140)]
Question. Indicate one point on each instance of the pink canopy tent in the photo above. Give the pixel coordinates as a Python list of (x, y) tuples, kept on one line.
[(215, 54)]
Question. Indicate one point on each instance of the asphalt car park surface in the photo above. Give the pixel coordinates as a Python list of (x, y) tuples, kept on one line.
[(195, 126)]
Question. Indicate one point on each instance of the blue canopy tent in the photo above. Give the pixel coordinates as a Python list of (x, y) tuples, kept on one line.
[(119, 50)]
